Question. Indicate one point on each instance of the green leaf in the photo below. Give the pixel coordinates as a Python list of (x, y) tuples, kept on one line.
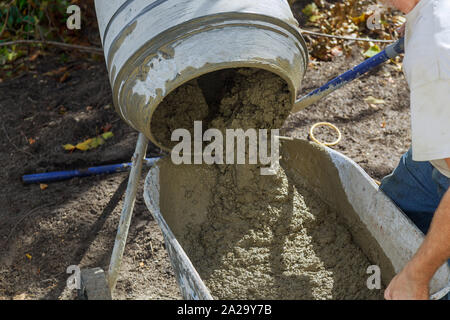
[(310, 9), (107, 135), (22, 4), (11, 21), (64, 58), (14, 13), (315, 17), (373, 50), (29, 19), (11, 56)]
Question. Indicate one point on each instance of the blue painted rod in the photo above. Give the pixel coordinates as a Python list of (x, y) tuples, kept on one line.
[(65, 175), (390, 52)]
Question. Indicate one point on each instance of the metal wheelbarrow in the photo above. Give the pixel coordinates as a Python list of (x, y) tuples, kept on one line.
[(385, 234)]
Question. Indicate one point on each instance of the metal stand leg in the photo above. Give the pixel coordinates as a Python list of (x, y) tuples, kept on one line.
[(95, 286), (127, 211)]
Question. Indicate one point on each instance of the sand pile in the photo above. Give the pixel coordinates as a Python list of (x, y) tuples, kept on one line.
[(261, 237)]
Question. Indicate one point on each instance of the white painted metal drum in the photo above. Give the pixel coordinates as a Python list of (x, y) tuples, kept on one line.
[(153, 47)]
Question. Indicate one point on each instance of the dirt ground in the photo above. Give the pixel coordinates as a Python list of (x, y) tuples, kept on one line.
[(42, 232), (72, 222), (373, 135)]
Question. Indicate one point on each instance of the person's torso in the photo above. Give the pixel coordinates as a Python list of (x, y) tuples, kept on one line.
[(427, 43), (427, 56)]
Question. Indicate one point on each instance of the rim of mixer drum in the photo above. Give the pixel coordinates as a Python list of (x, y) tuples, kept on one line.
[(183, 31)]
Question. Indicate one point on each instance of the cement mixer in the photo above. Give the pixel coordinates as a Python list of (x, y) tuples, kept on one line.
[(154, 47)]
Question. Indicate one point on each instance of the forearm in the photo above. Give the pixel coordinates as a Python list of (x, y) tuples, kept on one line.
[(435, 250)]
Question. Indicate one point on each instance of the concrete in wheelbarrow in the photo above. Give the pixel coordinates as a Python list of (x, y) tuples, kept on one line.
[(382, 231)]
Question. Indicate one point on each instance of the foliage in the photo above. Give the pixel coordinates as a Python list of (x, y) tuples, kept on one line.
[(345, 18), (30, 19), (42, 20)]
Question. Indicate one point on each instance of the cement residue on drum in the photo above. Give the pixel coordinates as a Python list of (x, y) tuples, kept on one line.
[(260, 237)]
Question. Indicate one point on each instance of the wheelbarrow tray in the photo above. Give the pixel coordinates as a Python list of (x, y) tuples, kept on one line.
[(384, 233)]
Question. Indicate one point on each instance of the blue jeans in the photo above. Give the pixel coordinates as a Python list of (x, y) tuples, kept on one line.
[(417, 188)]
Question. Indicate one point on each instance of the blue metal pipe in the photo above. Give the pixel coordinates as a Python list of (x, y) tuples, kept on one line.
[(65, 175), (390, 52)]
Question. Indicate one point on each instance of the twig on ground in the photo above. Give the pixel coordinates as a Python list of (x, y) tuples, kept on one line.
[(54, 43), (318, 34), (28, 214), (12, 143)]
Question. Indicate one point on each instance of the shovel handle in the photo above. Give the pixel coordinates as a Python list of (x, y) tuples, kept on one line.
[(391, 51)]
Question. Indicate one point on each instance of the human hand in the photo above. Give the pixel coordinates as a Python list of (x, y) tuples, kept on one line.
[(405, 286)]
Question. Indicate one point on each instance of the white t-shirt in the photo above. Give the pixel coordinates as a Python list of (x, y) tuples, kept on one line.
[(427, 70)]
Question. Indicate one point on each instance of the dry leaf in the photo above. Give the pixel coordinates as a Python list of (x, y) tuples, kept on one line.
[(362, 18), (56, 72), (398, 65), (372, 100), (83, 146), (398, 20), (43, 186), (91, 143), (35, 55), (62, 110), (64, 77), (337, 51), (22, 296), (69, 147), (344, 18), (107, 127)]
